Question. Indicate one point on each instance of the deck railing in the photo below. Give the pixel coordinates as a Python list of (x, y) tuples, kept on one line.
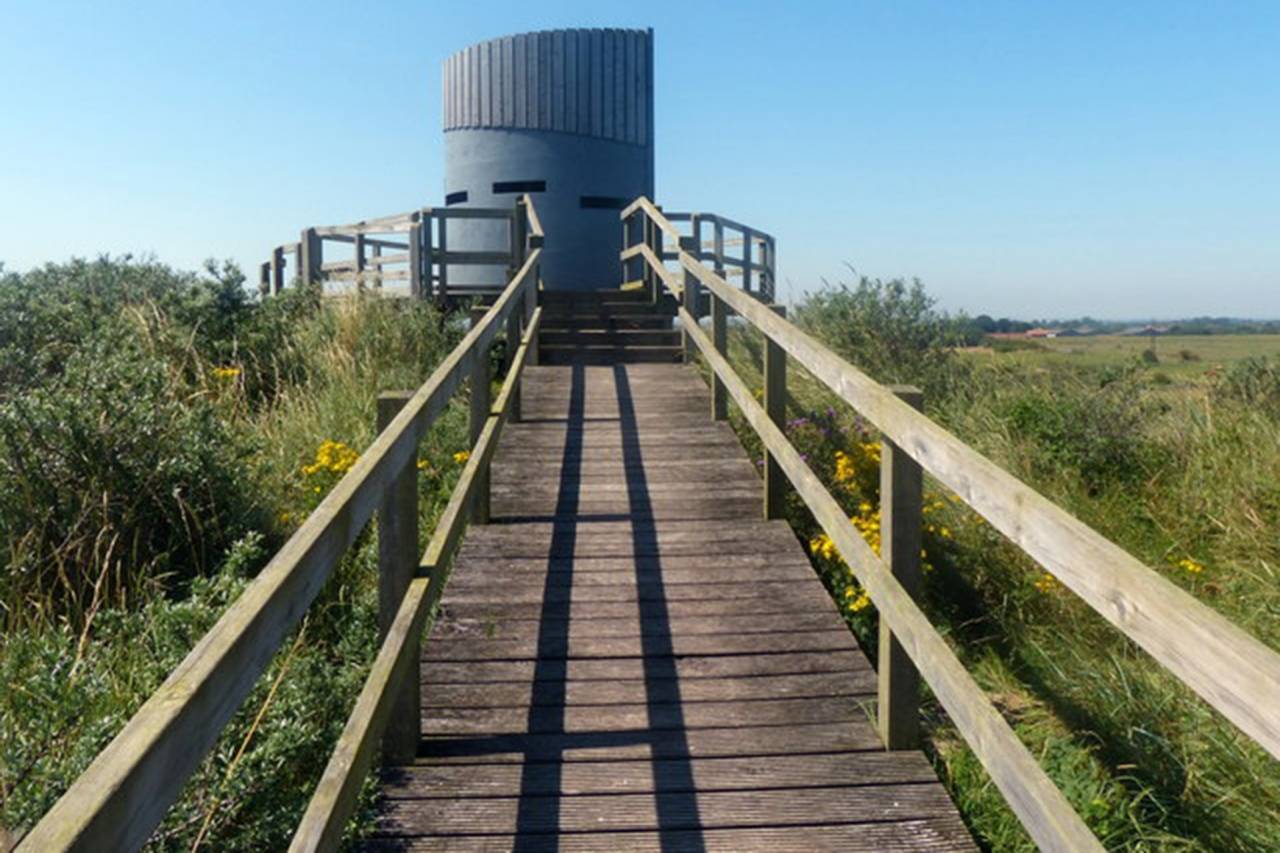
[(734, 250), (124, 794), (409, 251), (1230, 670)]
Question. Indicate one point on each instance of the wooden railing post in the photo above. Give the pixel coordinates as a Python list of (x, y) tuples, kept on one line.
[(656, 234), (312, 256), (689, 300), (628, 229), (775, 406), (442, 292), (397, 561), (415, 262), (718, 247), (277, 270), (264, 279), (720, 340), (746, 259), (426, 246), (530, 306), (480, 405), (901, 504), (298, 251), (357, 271)]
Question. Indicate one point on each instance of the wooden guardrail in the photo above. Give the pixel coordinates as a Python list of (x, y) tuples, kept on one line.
[(1232, 671), (410, 248), (124, 794), (754, 262)]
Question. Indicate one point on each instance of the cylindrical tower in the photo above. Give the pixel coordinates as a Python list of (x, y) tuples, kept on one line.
[(566, 116)]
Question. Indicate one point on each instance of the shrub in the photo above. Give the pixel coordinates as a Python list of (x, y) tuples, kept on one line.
[(111, 479), (888, 329), (1254, 380), (1096, 432)]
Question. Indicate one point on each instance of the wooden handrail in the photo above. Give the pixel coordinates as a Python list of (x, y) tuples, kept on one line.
[(126, 791), (1234, 672), (1046, 814), (535, 222), (336, 795)]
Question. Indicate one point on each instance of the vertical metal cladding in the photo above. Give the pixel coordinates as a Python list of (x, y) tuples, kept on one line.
[(568, 110)]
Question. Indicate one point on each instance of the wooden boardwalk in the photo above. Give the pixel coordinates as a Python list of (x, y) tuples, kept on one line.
[(628, 658)]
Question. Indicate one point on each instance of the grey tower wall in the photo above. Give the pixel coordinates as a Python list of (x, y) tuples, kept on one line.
[(572, 109)]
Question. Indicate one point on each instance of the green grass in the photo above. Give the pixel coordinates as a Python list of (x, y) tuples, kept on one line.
[(1181, 355)]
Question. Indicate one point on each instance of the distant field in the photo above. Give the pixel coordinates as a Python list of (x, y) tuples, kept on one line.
[(1191, 354)]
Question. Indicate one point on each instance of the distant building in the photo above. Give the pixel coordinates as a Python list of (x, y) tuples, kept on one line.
[(1145, 330)]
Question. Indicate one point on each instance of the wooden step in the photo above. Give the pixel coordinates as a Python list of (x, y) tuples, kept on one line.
[(594, 337), (595, 321), (601, 355), (592, 297)]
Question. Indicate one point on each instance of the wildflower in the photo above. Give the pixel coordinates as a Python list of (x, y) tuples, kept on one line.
[(1190, 566), (286, 517), (846, 470), (1047, 583), (944, 532), (423, 465), (861, 602), (461, 456), (822, 546), (226, 372)]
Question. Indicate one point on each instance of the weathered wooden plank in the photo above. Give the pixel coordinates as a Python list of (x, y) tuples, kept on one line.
[(452, 626), (601, 694), (799, 807), (688, 668), (643, 744), (940, 834), (612, 647), (620, 609), (680, 568), (848, 770), (749, 597)]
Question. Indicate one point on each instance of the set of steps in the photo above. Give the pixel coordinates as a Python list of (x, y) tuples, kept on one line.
[(606, 327)]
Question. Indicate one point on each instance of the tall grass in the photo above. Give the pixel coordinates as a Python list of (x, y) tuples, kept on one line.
[(178, 420)]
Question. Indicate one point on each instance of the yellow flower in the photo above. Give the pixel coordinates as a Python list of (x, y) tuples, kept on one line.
[(226, 372), (846, 470), (461, 456), (423, 465), (1190, 566), (286, 517), (861, 602), (822, 546), (1047, 583)]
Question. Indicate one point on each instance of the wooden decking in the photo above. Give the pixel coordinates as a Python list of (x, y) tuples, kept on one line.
[(629, 658)]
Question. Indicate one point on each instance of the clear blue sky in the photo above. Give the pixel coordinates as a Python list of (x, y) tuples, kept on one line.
[(1024, 159)]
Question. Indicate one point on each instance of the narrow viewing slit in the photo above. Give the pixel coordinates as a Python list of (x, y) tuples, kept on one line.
[(602, 202), (500, 187), (456, 198)]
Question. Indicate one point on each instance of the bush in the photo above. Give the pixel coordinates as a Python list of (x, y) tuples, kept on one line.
[(112, 479), (1254, 380), (890, 330), (1097, 432)]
